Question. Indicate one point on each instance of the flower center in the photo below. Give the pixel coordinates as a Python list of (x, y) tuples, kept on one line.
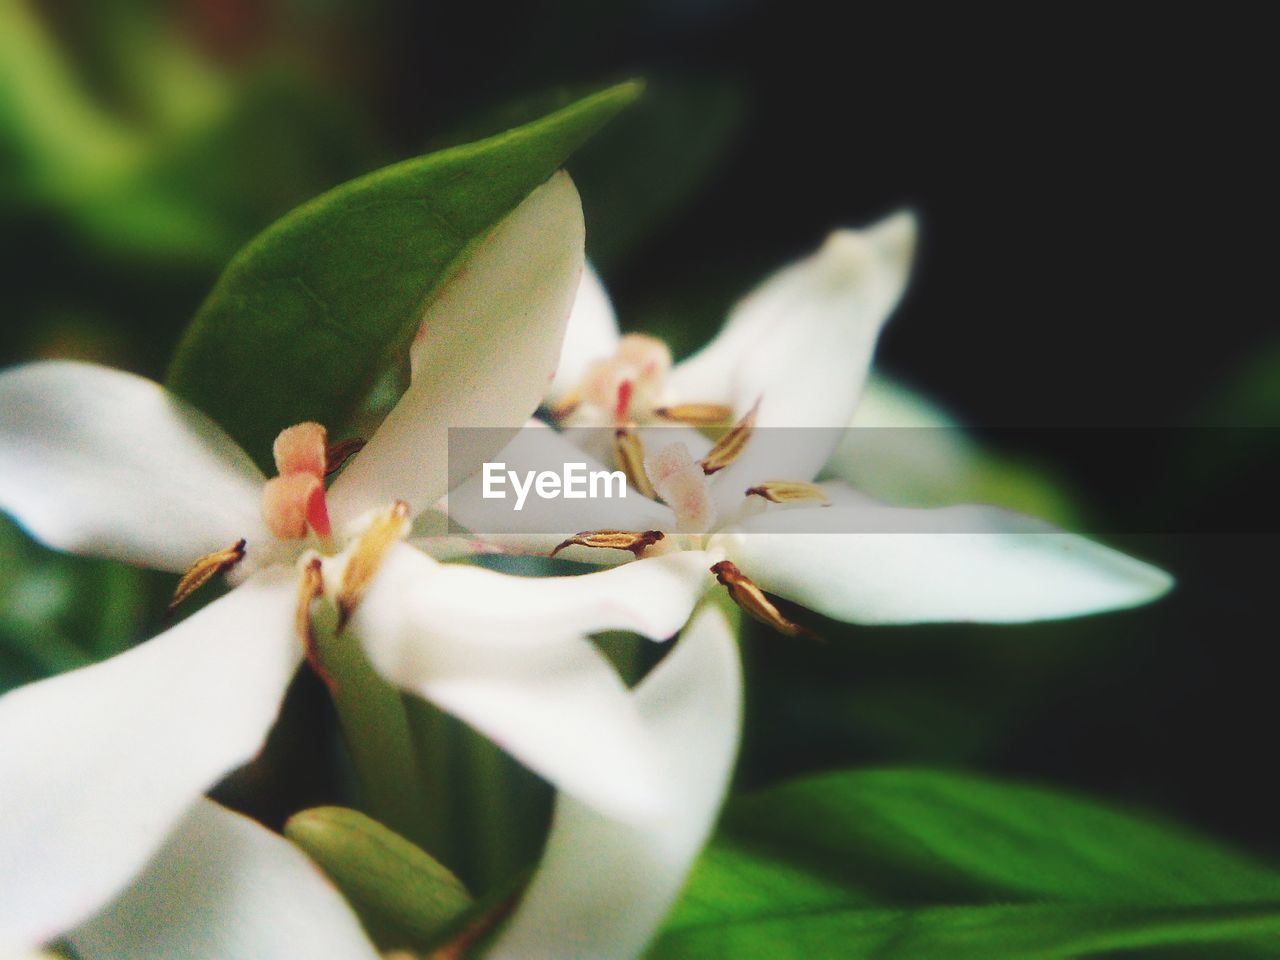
[(627, 388)]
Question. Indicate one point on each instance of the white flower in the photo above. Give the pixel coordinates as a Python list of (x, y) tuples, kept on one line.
[(797, 351), (98, 767)]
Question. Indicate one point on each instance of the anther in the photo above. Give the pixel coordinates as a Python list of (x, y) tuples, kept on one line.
[(729, 447), (752, 599), (336, 454), (387, 529), (629, 452), (635, 543), (310, 589), (790, 491), (204, 570), (695, 414)]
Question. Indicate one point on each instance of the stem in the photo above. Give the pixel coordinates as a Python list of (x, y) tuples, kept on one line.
[(377, 734)]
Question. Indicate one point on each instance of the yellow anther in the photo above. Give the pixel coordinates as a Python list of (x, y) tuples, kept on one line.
[(566, 405), (695, 414), (752, 599), (387, 529), (634, 542), (310, 588), (336, 454), (204, 570), (790, 491), (729, 447), (630, 455)]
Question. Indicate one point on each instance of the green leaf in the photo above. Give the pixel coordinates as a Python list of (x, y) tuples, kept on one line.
[(1030, 932), (311, 311), (916, 836), (916, 863), (404, 897)]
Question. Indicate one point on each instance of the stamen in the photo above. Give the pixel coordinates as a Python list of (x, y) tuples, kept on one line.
[(366, 558), (336, 454), (695, 414), (301, 449), (310, 588), (636, 543), (630, 455), (290, 502), (729, 447), (752, 599), (204, 570), (790, 491)]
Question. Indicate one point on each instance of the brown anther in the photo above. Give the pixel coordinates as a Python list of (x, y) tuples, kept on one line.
[(636, 543), (204, 570), (630, 455), (695, 414), (310, 589), (729, 447), (366, 558), (336, 454), (752, 599), (790, 491)]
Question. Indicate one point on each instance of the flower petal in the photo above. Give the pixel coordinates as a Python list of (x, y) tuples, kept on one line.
[(224, 887), (801, 344), (902, 447), (592, 334), (101, 763), (966, 563), (508, 655), (106, 463), (603, 886), (489, 345)]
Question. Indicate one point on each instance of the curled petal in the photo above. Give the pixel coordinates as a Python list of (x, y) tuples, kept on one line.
[(488, 348), (106, 463), (102, 762), (865, 562), (814, 322), (222, 887), (604, 886), (508, 655)]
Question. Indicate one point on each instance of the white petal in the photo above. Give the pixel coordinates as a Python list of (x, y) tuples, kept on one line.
[(102, 462), (603, 886), (100, 763), (490, 342), (592, 334), (964, 563), (539, 448), (508, 656), (802, 344), (904, 448), (226, 888)]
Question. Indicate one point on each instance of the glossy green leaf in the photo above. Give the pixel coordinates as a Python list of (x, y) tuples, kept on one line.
[(920, 836), (918, 864), (403, 896), (310, 312), (1023, 932)]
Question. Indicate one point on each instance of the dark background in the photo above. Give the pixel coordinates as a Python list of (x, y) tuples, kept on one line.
[(1091, 191)]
